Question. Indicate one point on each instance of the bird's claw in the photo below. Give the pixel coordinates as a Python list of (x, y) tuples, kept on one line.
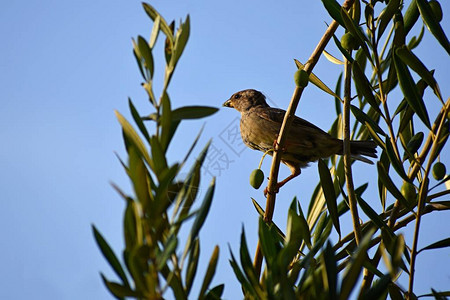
[(266, 190)]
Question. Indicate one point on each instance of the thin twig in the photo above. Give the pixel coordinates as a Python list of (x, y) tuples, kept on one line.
[(347, 156)]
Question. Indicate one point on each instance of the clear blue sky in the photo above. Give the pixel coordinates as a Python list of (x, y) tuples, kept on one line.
[(66, 65)]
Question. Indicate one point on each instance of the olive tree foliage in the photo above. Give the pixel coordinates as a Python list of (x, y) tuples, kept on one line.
[(154, 260), (380, 90), (383, 86)]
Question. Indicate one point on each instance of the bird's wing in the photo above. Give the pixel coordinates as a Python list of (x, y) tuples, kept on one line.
[(304, 138)]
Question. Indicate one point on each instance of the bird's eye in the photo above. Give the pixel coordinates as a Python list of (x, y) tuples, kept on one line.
[(237, 96)]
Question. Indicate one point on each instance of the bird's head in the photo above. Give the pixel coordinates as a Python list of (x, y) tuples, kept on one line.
[(244, 100)]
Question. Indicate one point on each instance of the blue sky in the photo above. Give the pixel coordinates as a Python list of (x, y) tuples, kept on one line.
[(66, 66)]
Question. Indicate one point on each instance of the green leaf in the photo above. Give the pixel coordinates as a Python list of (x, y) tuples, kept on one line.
[(146, 53), (201, 216), (356, 32), (337, 100), (329, 193), (108, 253), (297, 230), (134, 138), (440, 244), (432, 24), (334, 10), (267, 241), (389, 184), (410, 92), (215, 293), (210, 271), (414, 63), (411, 16), (353, 270), (192, 112), (158, 156), (137, 119), (169, 248), (414, 144), (132, 226), (181, 39), (191, 269), (331, 270), (189, 190), (378, 289), (118, 290), (373, 216), (246, 286), (436, 295), (153, 14), (343, 51), (155, 31), (363, 119), (316, 81), (415, 41), (363, 86), (396, 163), (375, 136), (167, 131), (247, 264), (140, 178), (386, 16)]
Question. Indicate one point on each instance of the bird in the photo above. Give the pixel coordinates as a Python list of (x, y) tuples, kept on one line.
[(305, 143)]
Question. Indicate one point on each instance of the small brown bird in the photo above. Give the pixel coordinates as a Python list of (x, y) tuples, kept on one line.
[(260, 125)]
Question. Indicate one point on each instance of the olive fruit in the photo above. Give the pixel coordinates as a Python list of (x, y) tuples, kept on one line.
[(409, 192), (349, 42), (256, 178), (438, 171)]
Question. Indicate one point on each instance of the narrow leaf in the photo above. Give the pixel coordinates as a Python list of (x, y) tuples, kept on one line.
[(389, 184), (416, 64), (316, 81), (386, 16), (334, 10), (432, 24), (210, 271), (133, 137), (364, 87), (137, 119), (201, 216), (363, 119), (192, 112), (440, 244), (153, 14), (108, 253), (409, 90), (118, 290), (329, 192)]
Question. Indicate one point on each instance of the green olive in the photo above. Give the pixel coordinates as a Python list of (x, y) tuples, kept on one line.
[(439, 171), (437, 9), (301, 78), (409, 192), (256, 178), (349, 42)]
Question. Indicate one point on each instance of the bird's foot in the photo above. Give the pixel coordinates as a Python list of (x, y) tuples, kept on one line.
[(266, 190), (276, 146)]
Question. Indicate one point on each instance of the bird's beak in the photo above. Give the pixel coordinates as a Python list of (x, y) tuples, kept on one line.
[(228, 103)]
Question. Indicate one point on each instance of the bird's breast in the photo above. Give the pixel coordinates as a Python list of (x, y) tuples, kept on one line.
[(258, 133)]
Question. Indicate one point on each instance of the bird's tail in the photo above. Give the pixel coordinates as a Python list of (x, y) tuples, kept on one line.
[(359, 149)]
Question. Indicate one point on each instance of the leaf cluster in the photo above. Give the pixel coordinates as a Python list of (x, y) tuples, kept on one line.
[(155, 258)]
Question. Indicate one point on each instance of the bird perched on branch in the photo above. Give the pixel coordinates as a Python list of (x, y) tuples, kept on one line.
[(260, 125)]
